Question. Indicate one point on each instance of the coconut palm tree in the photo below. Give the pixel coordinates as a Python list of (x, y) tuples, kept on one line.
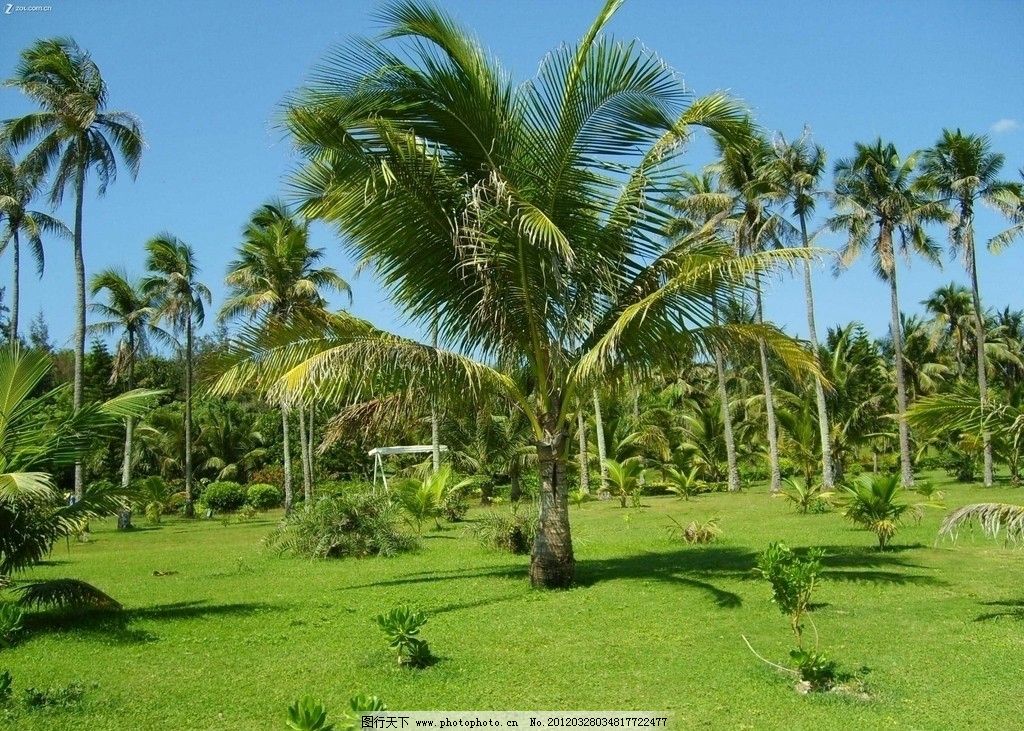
[(277, 275), (877, 205), (952, 316), (522, 219), (73, 133), (128, 312), (964, 171), (19, 184), (179, 300), (800, 165)]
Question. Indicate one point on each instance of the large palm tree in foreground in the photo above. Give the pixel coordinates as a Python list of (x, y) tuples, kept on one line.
[(74, 133), (878, 205), (278, 275), (963, 170), (19, 184), (526, 221), (179, 299), (128, 312)]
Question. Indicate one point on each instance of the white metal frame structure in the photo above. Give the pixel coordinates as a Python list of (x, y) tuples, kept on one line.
[(378, 452)]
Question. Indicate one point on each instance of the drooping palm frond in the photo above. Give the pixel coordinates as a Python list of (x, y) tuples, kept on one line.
[(993, 518), (64, 594)]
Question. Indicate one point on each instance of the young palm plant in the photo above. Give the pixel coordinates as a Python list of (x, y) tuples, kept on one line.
[(519, 219), (876, 503), (74, 133), (878, 205), (624, 478)]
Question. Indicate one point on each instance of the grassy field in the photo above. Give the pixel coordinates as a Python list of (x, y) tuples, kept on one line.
[(233, 635)]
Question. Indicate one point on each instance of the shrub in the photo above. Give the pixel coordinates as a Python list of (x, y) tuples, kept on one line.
[(6, 687), (155, 497), (401, 626), (62, 696), (262, 496), (792, 579), (333, 488), (509, 531), (271, 474), (224, 497), (354, 524), (10, 624), (695, 532)]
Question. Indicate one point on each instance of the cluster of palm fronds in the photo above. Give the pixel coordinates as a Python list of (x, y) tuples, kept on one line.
[(994, 519)]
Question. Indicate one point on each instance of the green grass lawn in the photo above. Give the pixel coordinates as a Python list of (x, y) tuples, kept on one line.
[(230, 638)]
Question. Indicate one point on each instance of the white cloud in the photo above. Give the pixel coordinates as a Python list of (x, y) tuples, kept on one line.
[(1005, 125)]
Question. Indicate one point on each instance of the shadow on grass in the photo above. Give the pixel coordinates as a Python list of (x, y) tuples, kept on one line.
[(864, 563), (117, 625), (1012, 609)]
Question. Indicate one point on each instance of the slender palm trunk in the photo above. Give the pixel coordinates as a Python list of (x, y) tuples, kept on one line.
[(190, 508), (979, 337), (552, 565), (286, 448), (775, 483), (827, 471), (581, 430), (309, 446), (723, 397), (304, 448), (435, 431), (124, 518), (602, 450), (79, 312), (907, 468), (15, 284)]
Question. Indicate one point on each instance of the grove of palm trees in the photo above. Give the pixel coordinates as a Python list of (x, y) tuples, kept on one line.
[(521, 389)]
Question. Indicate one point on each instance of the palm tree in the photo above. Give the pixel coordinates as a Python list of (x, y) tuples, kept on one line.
[(877, 204), (963, 171), (73, 133), (276, 275), (950, 307), (800, 164), (19, 184), (178, 297), (522, 219), (129, 311)]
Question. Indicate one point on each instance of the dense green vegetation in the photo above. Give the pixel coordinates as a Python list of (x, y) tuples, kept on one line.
[(601, 391)]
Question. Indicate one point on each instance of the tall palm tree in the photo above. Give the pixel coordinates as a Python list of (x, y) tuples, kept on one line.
[(964, 171), (878, 205), (19, 184), (800, 165), (951, 310), (277, 275), (526, 220), (73, 133), (179, 299), (128, 312)]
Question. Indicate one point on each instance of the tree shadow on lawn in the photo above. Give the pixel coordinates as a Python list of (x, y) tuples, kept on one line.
[(116, 625), (867, 563), (1014, 609)]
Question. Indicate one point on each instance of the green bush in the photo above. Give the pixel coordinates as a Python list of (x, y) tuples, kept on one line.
[(401, 626), (355, 524), (334, 488), (6, 687), (224, 497), (262, 496), (792, 579), (509, 531), (10, 624)]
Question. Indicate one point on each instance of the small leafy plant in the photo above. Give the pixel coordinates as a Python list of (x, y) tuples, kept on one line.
[(62, 696), (792, 579), (401, 626), (509, 531), (806, 498), (6, 687), (307, 714), (695, 532), (876, 502), (816, 671), (10, 624), (357, 706), (683, 485)]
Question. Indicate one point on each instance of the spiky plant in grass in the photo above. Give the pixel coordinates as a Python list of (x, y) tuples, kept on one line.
[(875, 502), (993, 518)]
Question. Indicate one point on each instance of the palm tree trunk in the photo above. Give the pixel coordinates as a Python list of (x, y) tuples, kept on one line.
[(79, 311), (190, 509), (979, 337), (311, 440), (723, 396), (907, 469), (304, 448), (15, 285), (581, 429), (286, 447), (775, 483), (435, 432), (552, 565), (124, 518), (602, 450), (827, 471)]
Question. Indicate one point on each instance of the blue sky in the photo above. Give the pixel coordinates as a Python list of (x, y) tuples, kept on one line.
[(207, 79)]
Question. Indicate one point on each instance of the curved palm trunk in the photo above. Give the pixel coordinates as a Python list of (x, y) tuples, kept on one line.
[(733, 472), (552, 565), (286, 447), (907, 469), (15, 284), (581, 430), (190, 508), (79, 311), (775, 483), (602, 450), (827, 472), (307, 486), (979, 336)]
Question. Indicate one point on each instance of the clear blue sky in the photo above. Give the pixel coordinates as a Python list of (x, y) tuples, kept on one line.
[(206, 79)]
